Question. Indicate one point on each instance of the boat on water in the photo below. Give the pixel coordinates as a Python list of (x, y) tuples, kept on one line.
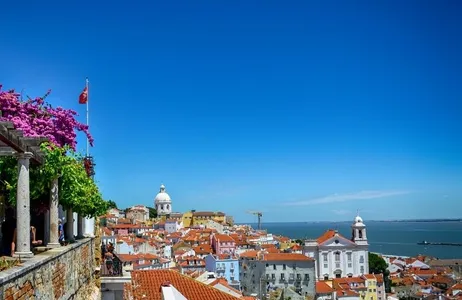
[(439, 244), (423, 243)]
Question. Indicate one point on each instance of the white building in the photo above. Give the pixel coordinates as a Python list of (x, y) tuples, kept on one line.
[(138, 213), (269, 271), (172, 226), (337, 256), (162, 202)]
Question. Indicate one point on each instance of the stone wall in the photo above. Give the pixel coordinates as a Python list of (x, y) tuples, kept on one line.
[(61, 273)]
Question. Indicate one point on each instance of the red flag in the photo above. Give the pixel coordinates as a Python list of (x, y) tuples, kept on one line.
[(83, 98)]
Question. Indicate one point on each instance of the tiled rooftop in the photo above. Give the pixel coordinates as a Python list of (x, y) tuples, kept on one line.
[(148, 285)]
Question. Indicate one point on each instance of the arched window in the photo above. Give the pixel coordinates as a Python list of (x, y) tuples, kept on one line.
[(360, 233)]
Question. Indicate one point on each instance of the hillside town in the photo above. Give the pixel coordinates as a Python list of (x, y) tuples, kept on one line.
[(204, 255)]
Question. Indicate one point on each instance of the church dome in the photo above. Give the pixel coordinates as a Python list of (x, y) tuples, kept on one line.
[(162, 196), (358, 219)]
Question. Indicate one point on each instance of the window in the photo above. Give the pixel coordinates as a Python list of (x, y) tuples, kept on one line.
[(273, 276), (267, 276), (307, 277), (267, 265), (324, 257), (349, 265), (299, 276), (361, 259), (337, 265), (284, 266), (349, 256), (325, 266), (337, 256), (274, 267), (361, 270), (282, 277)]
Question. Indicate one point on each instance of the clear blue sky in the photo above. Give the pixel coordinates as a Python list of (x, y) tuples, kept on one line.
[(304, 110)]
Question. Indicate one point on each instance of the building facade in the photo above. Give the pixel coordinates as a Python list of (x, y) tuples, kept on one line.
[(172, 225), (271, 271), (162, 202), (337, 256), (223, 244), (138, 213), (226, 266)]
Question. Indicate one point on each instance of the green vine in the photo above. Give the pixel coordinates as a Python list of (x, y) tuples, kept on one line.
[(76, 189)]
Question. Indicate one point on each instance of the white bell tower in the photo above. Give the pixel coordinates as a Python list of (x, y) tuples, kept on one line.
[(359, 231)]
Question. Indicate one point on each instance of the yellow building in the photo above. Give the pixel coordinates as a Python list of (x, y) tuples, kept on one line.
[(371, 284), (202, 217), (187, 219)]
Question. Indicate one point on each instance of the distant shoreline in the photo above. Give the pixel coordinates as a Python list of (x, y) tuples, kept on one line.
[(378, 221)]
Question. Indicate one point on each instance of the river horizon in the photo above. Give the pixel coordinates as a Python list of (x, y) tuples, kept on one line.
[(398, 237)]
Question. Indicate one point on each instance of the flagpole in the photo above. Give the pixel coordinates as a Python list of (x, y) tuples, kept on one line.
[(88, 123)]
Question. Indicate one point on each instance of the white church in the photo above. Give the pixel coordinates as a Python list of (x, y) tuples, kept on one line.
[(337, 256), (162, 202)]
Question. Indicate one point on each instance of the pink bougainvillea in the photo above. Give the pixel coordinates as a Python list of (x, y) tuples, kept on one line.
[(36, 118)]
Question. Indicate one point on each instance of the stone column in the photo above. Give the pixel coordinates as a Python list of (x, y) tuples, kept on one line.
[(80, 224), (89, 227), (54, 214), (69, 225), (22, 246)]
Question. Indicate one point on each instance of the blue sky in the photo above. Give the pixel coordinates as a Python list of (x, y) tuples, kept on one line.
[(305, 110)]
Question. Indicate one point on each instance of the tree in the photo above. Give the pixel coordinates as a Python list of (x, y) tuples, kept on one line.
[(111, 204), (378, 265), (152, 213)]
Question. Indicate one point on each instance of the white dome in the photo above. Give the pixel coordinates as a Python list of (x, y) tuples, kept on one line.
[(162, 196), (358, 219)]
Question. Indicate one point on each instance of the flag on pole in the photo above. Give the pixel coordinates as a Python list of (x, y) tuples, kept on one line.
[(83, 98)]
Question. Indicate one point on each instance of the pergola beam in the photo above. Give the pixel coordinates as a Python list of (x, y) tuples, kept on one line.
[(12, 141)]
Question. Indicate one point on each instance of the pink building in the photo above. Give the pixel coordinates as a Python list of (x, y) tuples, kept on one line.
[(222, 243)]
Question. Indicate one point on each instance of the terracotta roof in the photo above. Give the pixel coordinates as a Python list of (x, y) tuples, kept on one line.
[(224, 238), (286, 257), (148, 284), (203, 249), (296, 247), (323, 288), (249, 254), (328, 235), (203, 213)]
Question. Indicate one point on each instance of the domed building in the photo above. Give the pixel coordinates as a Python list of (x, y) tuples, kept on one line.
[(162, 202)]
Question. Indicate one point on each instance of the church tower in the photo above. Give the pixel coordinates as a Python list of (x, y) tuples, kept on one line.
[(162, 202), (359, 231), (361, 255)]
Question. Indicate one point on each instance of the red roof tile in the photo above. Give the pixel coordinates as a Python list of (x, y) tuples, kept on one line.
[(148, 284), (323, 288), (327, 235)]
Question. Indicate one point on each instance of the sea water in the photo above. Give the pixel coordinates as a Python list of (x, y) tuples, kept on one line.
[(396, 238)]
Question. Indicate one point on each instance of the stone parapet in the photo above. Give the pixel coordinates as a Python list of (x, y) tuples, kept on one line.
[(59, 273)]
